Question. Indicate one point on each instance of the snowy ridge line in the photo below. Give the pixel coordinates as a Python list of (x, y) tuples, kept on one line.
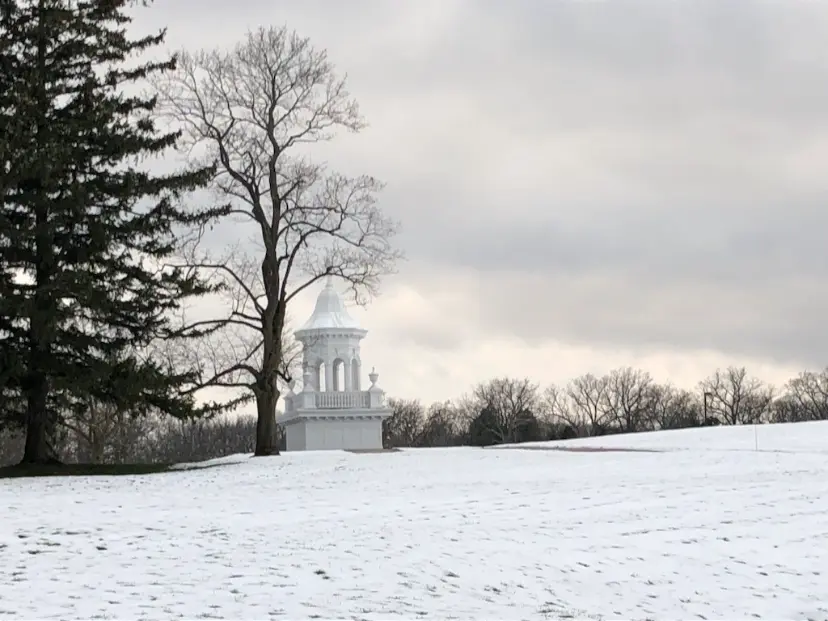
[(603, 449), (796, 437)]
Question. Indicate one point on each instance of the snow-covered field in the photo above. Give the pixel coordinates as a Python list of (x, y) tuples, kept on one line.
[(709, 528)]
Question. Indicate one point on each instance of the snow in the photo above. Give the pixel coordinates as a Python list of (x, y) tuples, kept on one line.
[(707, 528), (800, 437)]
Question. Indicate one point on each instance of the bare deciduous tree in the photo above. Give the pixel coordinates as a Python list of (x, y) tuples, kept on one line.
[(629, 398), (102, 433), (673, 408), (512, 404), (785, 409), (587, 403), (95, 427), (405, 425), (736, 398), (443, 426), (808, 393), (253, 111), (555, 409)]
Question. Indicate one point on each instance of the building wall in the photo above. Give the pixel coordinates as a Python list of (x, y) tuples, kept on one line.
[(320, 435), (295, 437)]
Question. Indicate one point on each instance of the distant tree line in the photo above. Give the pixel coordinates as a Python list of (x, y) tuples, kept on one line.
[(509, 410), (144, 440), (502, 410)]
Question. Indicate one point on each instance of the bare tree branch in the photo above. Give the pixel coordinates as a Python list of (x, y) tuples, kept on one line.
[(587, 398), (808, 394), (629, 399), (249, 110), (510, 406), (737, 398)]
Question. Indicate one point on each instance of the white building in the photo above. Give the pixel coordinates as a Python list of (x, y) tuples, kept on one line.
[(332, 411)]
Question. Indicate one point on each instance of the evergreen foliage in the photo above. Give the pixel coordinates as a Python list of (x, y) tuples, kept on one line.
[(85, 226)]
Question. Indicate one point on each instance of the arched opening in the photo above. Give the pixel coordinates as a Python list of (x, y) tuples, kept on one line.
[(339, 375), (321, 384), (355, 375)]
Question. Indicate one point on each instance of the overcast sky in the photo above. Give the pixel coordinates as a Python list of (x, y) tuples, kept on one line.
[(582, 185)]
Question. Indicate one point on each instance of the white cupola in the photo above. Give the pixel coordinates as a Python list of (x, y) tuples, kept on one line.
[(332, 411), (330, 340)]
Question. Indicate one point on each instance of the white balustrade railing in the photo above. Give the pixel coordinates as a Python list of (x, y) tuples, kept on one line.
[(342, 400), (333, 401)]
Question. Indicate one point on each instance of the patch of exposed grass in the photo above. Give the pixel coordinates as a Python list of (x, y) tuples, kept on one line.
[(86, 470), (80, 470)]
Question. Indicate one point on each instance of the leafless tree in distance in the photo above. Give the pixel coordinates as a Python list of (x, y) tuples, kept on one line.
[(95, 427), (808, 392), (629, 399), (588, 403), (404, 427), (511, 402), (444, 426), (556, 411), (674, 408), (737, 398), (254, 110)]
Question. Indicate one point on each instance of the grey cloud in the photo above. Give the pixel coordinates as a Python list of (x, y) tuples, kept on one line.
[(681, 279), (670, 245), (724, 248), (625, 173), (777, 320), (433, 337)]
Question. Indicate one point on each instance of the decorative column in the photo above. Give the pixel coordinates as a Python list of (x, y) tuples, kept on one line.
[(329, 374), (356, 371), (336, 387), (346, 374)]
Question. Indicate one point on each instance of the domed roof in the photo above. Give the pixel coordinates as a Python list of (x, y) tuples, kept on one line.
[(329, 312)]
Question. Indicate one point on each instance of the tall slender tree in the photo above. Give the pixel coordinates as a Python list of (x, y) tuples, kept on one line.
[(10, 70), (86, 227)]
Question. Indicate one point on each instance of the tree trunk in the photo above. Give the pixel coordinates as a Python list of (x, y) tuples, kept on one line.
[(267, 390), (266, 424), (97, 448), (37, 449)]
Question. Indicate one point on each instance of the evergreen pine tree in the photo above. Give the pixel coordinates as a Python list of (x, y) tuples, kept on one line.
[(85, 227)]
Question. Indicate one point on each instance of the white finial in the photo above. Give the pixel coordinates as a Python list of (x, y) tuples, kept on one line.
[(373, 376)]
